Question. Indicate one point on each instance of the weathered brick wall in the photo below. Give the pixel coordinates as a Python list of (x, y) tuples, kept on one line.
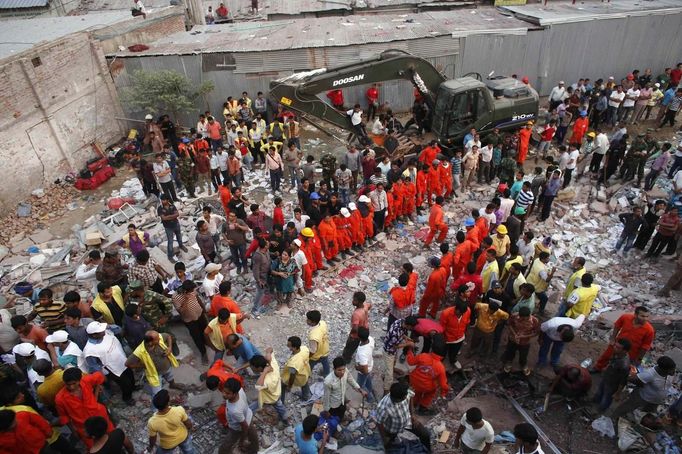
[(52, 110), (142, 31)]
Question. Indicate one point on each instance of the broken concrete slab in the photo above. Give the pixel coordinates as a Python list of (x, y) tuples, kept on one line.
[(161, 259), (21, 246), (41, 236)]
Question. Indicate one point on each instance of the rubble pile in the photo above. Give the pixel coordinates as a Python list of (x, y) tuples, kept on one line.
[(43, 206)]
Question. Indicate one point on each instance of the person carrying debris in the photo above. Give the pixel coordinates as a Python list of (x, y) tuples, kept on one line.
[(428, 375)]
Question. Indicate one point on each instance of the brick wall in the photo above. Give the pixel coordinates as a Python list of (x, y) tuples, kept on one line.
[(142, 31), (52, 110)]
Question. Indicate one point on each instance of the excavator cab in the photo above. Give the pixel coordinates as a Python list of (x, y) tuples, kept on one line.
[(461, 104)]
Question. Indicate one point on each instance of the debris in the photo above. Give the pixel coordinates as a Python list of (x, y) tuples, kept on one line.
[(444, 437), (465, 390), (604, 425)]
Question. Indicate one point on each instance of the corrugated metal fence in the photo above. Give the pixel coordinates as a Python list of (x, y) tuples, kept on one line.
[(593, 49)]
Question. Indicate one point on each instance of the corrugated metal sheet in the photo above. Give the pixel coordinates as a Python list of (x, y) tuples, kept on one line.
[(332, 32), (565, 12), (569, 51), (20, 4)]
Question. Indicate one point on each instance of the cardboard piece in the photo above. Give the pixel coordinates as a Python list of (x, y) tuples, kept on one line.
[(444, 437)]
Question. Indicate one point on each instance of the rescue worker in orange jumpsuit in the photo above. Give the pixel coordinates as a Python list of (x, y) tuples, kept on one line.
[(435, 289), (447, 259), (390, 208), (315, 245), (445, 170), (225, 197), (307, 268), (367, 212), (342, 221), (481, 223), (329, 238), (428, 376), (410, 194), (413, 279), (401, 300), (356, 230), (579, 129), (307, 248), (524, 142), (429, 153), (422, 179), (473, 232), (486, 245), (216, 376), (434, 187), (464, 252), (398, 189), (436, 223)]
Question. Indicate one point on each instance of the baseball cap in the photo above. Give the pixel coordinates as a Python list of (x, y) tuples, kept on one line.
[(95, 327), (57, 336)]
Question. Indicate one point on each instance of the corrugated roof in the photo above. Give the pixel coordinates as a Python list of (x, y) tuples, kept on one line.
[(19, 35), (331, 31), (564, 12), (20, 4)]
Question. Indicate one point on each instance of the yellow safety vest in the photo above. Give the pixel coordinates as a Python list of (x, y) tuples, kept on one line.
[(301, 362), (216, 335), (149, 367), (534, 276), (570, 286), (100, 306), (320, 334), (486, 274), (586, 297)]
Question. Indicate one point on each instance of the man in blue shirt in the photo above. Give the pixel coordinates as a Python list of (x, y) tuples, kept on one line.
[(668, 96), (304, 434), (242, 349)]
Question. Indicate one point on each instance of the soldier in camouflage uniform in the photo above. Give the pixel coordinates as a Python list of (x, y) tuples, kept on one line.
[(156, 308), (328, 162), (636, 157), (507, 168), (187, 172)]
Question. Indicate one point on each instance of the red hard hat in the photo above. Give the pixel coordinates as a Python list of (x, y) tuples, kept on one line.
[(524, 79)]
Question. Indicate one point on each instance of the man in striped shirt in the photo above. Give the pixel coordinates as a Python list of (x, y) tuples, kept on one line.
[(51, 312), (525, 197)]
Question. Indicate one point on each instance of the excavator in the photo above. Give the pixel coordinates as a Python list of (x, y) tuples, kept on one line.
[(457, 105)]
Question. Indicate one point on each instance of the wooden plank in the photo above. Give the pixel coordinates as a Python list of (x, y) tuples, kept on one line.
[(465, 389), (444, 436)]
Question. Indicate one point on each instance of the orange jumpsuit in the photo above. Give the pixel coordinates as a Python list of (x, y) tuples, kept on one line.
[(343, 232), (434, 187), (445, 170), (448, 262), (422, 178), (579, 129), (398, 197), (356, 231), (433, 293), (473, 235), (480, 262), (427, 377), (316, 246), (368, 222), (412, 285), (410, 192), (463, 254), (428, 154), (225, 197), (390, 208), (524, 141), (436, 224), (483, 228), (328, 238)]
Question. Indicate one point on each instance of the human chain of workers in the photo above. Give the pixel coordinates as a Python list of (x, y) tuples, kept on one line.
[(492, 286)]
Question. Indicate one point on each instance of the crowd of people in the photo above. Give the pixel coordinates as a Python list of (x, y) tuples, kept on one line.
[(486, 293)]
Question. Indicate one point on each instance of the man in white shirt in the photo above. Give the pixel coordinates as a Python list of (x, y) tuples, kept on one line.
[(556, 332), (628, 104), (222, 158), (557, 95), (138, 9), (484, 166), (615, 100), (355, 115), (474, 434), (364, 362), (526, 247), (527, 439), (601, 146), (299, 219), (476, 140), (202, 126), (571, 164), (378, 128), (88, 268), (163, 174), (379, 203)]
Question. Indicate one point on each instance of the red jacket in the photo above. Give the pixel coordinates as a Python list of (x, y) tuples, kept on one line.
[(436, 218), (435, 286), (28, 435), (455, 327), (336, 97), (372, 94), (474, 279), (463, 255), (428, 154)]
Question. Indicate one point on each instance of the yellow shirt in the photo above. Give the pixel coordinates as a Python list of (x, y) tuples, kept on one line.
[(570, 286), (486, 322), (271, 389), (535, 276), (169, 427), (510, 262), (490, 272), (582, 299), (50, 387), (500, 244), (320, 335), (300, 362)]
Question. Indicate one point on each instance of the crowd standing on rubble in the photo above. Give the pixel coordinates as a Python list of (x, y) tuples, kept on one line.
[(485, 296)]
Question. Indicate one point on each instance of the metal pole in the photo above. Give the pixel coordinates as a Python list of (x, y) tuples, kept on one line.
[(552, 447)]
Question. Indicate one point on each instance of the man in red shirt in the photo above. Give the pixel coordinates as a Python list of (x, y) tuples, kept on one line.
[(372, 101), (216, 376), (455, 320), (429, 153), (676, 75), (426, 328), (77, 401), (437, 224), (23, 432), (223, 300), (435, 289), (214, 133), (471, 279), (545, 139), (336, 98), (428, 376), (635, 328)]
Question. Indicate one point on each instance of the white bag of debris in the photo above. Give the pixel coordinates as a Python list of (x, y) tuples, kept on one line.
[(133, 188), (604, 425)]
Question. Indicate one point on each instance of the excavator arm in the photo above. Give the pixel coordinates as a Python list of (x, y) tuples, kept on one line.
[(299, 91)]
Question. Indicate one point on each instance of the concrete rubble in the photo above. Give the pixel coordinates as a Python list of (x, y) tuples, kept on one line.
[(584, 223)]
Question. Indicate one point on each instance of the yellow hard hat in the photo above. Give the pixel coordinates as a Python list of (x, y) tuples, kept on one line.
[(308, 232)]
